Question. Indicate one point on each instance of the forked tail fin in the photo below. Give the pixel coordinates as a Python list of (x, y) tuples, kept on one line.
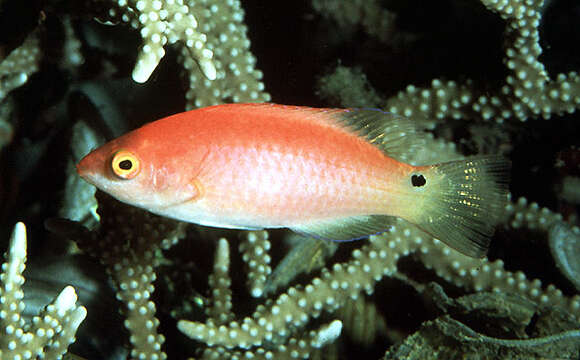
[(460, 202)]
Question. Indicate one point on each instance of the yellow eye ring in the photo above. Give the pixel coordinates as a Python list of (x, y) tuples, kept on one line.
[(125, 164)]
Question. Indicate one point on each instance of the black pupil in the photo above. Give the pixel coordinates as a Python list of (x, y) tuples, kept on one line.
[(126, 164), (418, 180)]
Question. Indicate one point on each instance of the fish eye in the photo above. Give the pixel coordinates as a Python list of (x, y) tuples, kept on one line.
[(125, 164), (418, 180)]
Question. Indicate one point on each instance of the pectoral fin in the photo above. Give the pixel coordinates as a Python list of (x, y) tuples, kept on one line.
[(192, 192)]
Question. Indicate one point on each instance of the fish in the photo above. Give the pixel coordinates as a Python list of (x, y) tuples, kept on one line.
[(337, 174)]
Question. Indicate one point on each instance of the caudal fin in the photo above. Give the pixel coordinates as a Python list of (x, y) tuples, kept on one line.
[(460, 202)]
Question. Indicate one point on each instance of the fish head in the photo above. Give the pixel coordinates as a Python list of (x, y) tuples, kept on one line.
[(136, 171)]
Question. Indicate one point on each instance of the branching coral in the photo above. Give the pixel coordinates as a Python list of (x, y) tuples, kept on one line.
[(254, 248), (52, 331), (213, 42), (291, 311), (220, 325), (528, 91), (15, 69), (161, 23), (318, 299), (131, 258)]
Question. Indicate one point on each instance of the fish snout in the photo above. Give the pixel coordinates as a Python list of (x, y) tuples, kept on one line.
[(86, 167), (82, 168)]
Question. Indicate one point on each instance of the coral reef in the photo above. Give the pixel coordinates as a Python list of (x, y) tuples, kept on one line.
[(15, 69), (50, 332), (131, 259), (528, 90), (76, 73), (212, 39)]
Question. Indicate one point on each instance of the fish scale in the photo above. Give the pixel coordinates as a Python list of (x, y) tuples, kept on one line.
[(327, 173)]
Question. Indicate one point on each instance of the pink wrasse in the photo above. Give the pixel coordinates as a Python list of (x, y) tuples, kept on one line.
[(330, 173)]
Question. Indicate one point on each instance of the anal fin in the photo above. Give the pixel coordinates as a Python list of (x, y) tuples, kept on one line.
[(346, 229)]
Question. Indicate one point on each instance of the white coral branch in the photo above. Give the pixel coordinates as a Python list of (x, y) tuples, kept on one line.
[(52, 331)]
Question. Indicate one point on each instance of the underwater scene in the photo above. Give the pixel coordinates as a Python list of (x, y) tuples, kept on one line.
[(310, 179)]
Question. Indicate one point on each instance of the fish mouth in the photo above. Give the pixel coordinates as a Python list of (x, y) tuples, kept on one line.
[(82, 168), (86, 170)]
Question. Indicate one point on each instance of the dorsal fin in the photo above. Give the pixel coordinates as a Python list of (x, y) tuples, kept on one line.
[(394, 134)]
